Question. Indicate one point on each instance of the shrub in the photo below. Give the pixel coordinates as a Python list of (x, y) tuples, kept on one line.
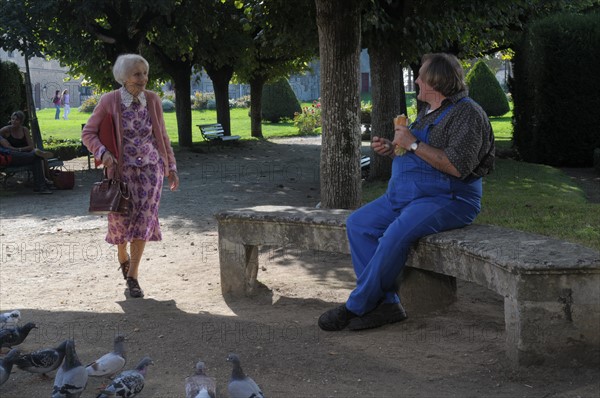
[(279, 101), (200, 100), (89, 104), (485, 89), (168, 105), (411, 111), (555, 94), (12, 87), (597, 160), (241, 102), (365, 112), (309, 119), (66, 149), (169, 95)]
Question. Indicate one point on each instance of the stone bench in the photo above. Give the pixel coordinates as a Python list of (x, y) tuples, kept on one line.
[(551, 288)]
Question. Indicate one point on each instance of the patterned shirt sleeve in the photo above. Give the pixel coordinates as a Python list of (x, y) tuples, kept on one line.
[(465, 135)]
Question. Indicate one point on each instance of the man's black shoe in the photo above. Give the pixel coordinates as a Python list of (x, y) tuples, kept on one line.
[(336, 319), (382, 315)]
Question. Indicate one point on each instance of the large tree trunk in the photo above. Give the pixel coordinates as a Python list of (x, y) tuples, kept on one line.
[(339, 27), (387, 94), (180, 72), (183, 104), (220, 78), (256, 88)]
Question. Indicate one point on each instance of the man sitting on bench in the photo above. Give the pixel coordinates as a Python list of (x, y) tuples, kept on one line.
[(16, 144)]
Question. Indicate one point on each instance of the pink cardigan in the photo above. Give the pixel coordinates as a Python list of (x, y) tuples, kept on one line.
[(111, 103)]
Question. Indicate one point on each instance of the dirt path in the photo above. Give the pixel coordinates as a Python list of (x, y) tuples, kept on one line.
[(56, 268)]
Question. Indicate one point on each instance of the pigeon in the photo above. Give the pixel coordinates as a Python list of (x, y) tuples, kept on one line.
[(71, 378), (12, 337), (42, 361), (240, 385), (109, 364), (10, 320), (129, 382), (200, 385), (6, 365)]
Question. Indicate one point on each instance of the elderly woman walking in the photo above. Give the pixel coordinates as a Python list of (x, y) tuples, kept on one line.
[(143, 157)]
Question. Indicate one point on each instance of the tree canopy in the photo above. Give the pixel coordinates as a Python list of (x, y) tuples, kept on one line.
[(177, 36), (262, 40)]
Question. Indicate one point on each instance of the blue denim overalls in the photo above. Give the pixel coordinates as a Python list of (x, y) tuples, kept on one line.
[(419, 201)]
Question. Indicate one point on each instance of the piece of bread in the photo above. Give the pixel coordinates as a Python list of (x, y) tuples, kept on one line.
[(400, 120)]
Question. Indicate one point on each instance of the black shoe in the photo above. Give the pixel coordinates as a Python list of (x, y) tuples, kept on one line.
[(42, 190), (135, 290), (336, 319), (382, 315)]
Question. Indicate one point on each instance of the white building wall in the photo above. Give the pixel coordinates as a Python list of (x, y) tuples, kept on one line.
[(47, 76)]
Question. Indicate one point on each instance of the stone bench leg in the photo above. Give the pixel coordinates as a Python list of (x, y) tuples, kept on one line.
[(553, 319), (239, 268), (425, 291)]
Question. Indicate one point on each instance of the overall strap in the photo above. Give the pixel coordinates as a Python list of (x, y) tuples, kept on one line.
[(448, 109)]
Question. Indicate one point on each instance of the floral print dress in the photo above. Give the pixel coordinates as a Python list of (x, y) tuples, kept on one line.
[(143, 170)]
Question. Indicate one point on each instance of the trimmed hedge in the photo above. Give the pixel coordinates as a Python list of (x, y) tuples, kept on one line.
[(555, 91), (64, 149), (485, 89), (168, 105), (12, 87), (279, 101)]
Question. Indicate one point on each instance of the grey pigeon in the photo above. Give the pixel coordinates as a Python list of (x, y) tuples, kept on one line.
[(6, 365), (13, 337), (10, 319), (71, 378), (240, 385), (110, 363), (42, 361), (129, 382), (200, 385)]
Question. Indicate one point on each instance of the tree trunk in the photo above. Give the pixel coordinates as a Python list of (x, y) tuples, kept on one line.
[(256, 88), (339, 27), (389, 100), (180, 72), (183, 104), (220, 78)]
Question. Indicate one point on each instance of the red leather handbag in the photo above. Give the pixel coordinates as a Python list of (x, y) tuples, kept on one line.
[(5, 157), (62, 179)]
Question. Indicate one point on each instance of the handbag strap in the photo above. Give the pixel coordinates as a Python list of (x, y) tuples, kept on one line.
[(120, 158)]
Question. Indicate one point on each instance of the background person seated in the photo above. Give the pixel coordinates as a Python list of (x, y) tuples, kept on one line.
[(16, 141)]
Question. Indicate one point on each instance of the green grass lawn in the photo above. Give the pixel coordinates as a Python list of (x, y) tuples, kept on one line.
[(524, 196), (503, 129), (533, 198), (240, 125), (540, 199)]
